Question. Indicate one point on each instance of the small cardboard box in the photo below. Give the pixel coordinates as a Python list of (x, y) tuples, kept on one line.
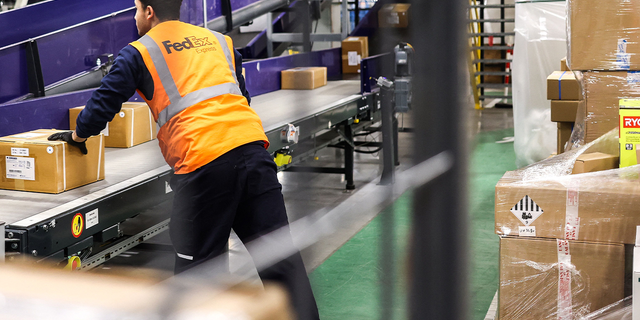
[(564, 134), (563, 85), (629, 132), (29, 162), (599, 207), (304, 78), (394, 15), (603, 35), (549, 278), (596, 161), (354, 49), (132, 126), (563, 65), (565, 110)]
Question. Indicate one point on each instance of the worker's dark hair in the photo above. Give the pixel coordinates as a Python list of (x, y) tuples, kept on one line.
[(164, 9)]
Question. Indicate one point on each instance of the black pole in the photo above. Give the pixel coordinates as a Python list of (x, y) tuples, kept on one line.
[(348, 157), (438, 279), (388, 148), (34, 70)]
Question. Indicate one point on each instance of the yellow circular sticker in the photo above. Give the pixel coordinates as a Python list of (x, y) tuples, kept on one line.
[(77, 225)]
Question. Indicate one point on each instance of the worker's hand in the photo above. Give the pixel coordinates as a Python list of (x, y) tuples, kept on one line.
[(68, 137)]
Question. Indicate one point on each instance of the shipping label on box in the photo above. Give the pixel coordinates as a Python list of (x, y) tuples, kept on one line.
[(629, 132), (557, 279), (29, 162), (133, 125), (394, 15)]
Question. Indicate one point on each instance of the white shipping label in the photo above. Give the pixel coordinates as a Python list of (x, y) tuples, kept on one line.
[(393, 18), (529, 231), (353, 58), (105, 131), (92, 218), (28, 135), (527, 211), (633, 78), (20, 152), (21, 168)]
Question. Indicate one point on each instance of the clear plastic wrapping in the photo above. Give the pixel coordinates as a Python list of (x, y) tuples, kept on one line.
[(552, 203), (603, 35), (540, 42), (619, 310), (558, 279)]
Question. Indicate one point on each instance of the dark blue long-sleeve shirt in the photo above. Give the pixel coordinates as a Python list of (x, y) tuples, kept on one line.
[(127, 74)]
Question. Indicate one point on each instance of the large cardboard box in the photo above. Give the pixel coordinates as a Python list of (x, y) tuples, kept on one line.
[(603, 91), (564, 135), (595, 161), (304, 78), (600, 206), (29, 162), (558, 279), (394, 15), (132, 126), (565, 110), (603, 35), (563, 85), (354, 49)]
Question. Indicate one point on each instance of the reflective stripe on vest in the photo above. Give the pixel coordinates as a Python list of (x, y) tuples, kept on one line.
[(178, 102)]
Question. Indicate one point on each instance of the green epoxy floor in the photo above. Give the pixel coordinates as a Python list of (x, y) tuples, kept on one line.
[(347, 285)]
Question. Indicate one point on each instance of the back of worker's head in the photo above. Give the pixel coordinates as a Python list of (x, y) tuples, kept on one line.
[(164, 9)]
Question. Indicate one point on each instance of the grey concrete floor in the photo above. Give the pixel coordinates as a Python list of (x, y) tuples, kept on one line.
[(308, 193)]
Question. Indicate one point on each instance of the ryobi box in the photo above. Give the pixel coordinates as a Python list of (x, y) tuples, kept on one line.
[(629, 132)]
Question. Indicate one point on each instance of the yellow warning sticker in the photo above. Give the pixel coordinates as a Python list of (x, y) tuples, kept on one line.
[(77, 225), (73, 264)]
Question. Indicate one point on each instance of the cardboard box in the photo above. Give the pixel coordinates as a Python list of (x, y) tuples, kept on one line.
[(354, 49), (132, 126), (596, 161), (563, 65), (394, 15), (304, 78), (564, 135), (565, 110), (563, 85), (29, 162), (629, 132), (603, 35), (558, 279), (600, 207), (603, 91)]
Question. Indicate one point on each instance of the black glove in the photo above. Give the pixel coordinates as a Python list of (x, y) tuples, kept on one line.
[(67, 137)]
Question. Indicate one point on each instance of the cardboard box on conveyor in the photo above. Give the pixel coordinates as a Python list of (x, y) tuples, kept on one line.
[(133, 125), (304, 78), (29, 162)]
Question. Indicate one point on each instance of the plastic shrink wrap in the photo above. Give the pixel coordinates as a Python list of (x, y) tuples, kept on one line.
[(557, 279), (540, 44), (603, 35), (545, 200), (619, 310)]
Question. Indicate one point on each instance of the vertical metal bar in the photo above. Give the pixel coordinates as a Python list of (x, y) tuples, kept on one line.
[(482, 2), (306, 25), (357, 11), (204, 14), (348, 156), (395, 141), (34, 69), (439, 237), (3, 241), (388, 161), (346, 25), (269, 35)]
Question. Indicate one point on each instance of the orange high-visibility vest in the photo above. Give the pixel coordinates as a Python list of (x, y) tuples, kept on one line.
[(196, 99)]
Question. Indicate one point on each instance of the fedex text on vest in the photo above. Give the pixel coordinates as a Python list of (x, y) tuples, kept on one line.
[(189, 43)]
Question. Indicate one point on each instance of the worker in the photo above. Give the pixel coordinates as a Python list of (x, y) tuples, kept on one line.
[(224, 177)]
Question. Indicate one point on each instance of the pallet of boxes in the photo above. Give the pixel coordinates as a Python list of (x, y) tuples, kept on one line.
[(564, 222)]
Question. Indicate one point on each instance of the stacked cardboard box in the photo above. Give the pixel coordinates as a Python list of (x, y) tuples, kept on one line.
[(354, 49), (565, 92)]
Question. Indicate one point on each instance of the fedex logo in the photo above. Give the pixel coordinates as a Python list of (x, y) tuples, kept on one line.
[(631, 122), (189, 43)]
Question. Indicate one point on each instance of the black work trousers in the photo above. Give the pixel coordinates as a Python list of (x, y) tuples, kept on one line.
[(238, 190)]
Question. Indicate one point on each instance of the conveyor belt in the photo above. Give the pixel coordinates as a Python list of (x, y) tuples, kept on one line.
[(124, 167)]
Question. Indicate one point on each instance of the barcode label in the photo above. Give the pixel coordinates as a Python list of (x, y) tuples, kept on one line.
[(21, 168)]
